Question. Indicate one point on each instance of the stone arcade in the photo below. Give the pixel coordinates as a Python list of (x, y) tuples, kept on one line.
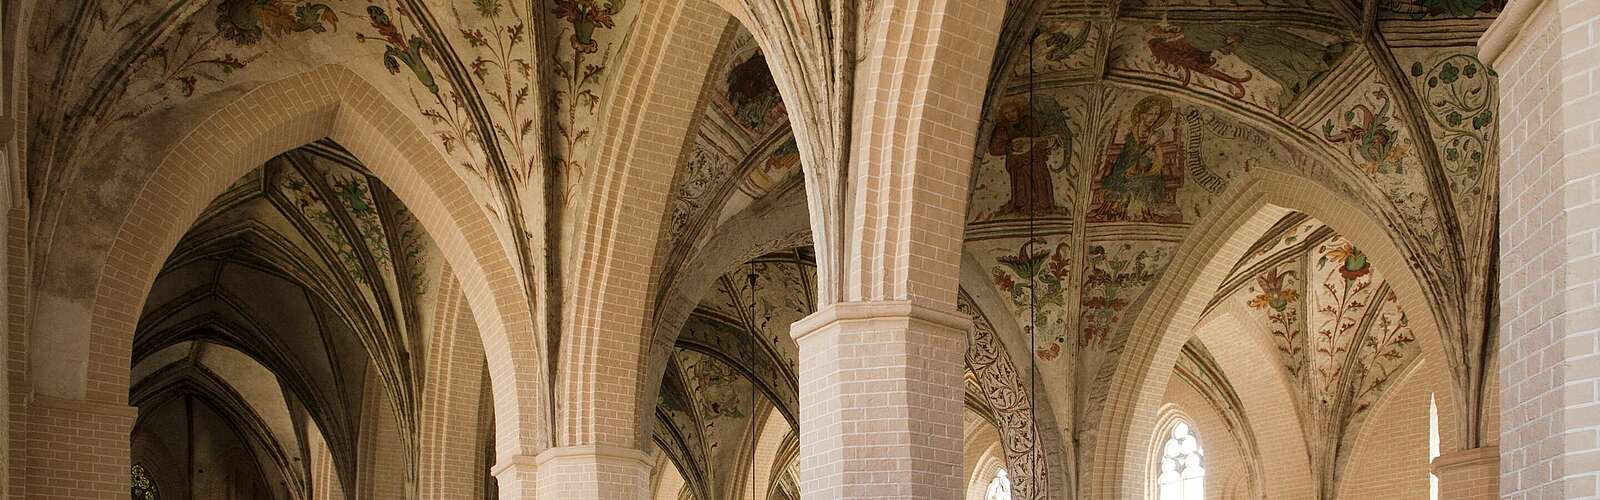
[(800, 249)]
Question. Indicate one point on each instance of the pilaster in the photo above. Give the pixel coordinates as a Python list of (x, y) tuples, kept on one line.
[(1548, 58)]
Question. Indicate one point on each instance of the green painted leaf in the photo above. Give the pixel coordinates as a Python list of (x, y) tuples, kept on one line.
[(1482, 120), (487, 7)]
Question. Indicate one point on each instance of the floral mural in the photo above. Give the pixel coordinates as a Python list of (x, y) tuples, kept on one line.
[(1277, 294), (1301, 277), (582, 55), (1034, 279), (1114, 278)]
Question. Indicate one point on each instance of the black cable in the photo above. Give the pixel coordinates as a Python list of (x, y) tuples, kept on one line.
[(751, 364), (1033, 288)]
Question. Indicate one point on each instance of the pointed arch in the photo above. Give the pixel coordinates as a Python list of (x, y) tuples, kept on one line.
[(612, 270), (334, 102), (1158, 333)]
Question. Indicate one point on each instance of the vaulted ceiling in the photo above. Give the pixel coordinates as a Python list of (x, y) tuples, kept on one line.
[(317, 281), (1111, 131)]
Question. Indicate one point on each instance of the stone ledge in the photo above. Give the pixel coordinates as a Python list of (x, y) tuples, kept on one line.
[(895, 311), (599, 452), (1487, 456), (1505, 29), (84, 406)]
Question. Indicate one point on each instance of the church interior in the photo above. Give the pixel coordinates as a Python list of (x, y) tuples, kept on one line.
[(800, 249)]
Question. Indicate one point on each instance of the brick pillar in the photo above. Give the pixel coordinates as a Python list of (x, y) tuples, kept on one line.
[(1545, 53), (78, 450), (1472, 474), (590, 472), (881, 401)]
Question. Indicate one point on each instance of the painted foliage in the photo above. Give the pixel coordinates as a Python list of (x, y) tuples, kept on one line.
[(1459, 95), (1342, 292), (1034, 282), (589, 33), (1336, 322), (696, 188), (1116, 275), (1277, 294), (135, 60), (1004, 390)]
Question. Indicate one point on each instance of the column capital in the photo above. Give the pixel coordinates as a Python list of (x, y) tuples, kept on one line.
[(596, 453), (881, 400), (1505, 29), (1447, 462), (583, 472), (102, 408), (1471, 474), (893, 313)]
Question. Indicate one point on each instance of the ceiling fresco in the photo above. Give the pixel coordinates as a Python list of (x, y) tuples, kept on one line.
[(1121, 126), (1115, 128), (1336, 322), (313, 267)]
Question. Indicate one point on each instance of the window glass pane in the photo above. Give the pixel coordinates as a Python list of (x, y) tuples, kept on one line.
[(1000, 487), (1180, 473)]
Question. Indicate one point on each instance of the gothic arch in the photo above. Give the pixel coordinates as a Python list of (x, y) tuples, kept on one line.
[(1284, 467), (1139, 378), (622, 207), (279, 116)]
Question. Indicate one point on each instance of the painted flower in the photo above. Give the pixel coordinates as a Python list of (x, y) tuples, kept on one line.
[(1272, 292), (585, 16), (1027, 262), (1354, 264)]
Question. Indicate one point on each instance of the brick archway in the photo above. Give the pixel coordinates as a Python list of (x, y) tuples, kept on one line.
[(1199, 266), (612, 270), (330, 101)]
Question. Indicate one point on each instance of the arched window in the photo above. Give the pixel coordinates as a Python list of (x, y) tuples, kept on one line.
[(1000, 487), (1182, 476), (143, 487), (1433, 446)]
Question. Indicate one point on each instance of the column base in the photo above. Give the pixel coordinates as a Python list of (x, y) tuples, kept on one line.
[(589, 472), (1472, 474)]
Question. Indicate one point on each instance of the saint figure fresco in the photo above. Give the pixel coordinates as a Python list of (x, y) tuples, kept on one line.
[(1141, 175), (1035, 143)]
